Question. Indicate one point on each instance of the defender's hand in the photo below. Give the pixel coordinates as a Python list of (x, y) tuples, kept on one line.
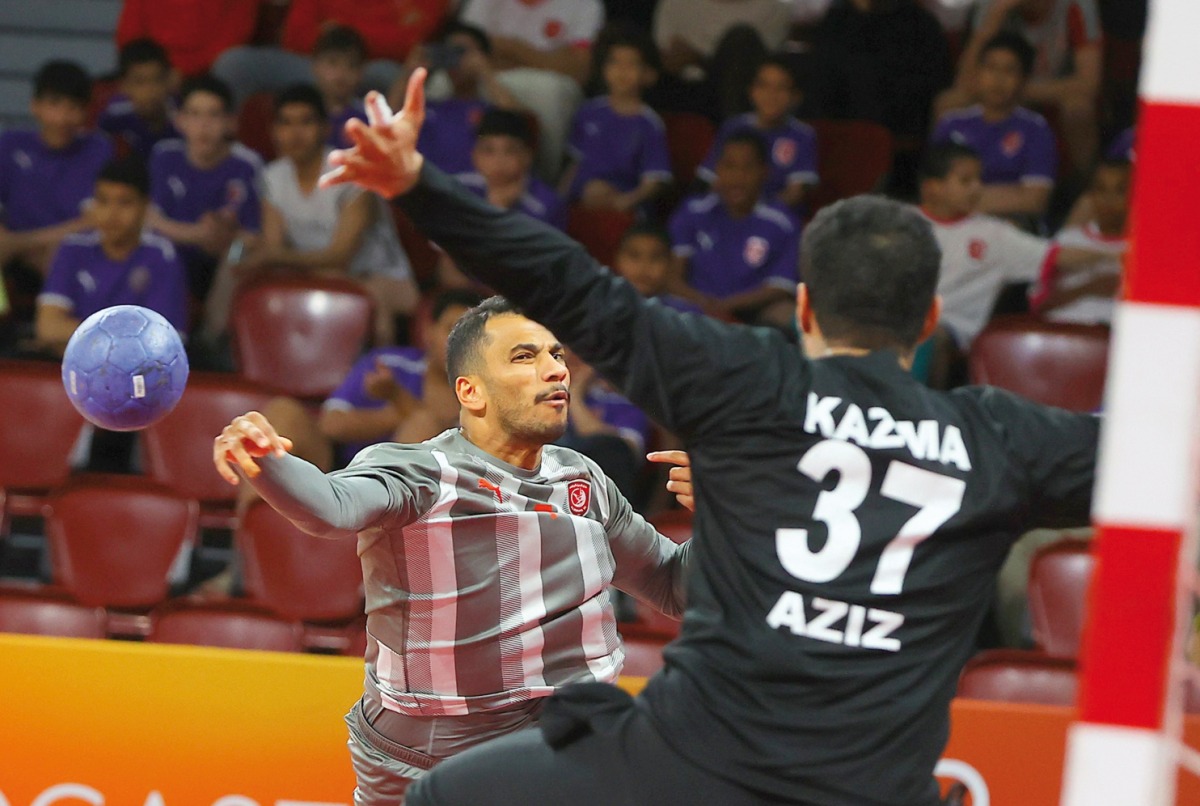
[(247, 438), (679, 480)]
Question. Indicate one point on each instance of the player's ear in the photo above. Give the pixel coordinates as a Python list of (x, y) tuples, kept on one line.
[(931, 318), (804, 314), (471, 393)]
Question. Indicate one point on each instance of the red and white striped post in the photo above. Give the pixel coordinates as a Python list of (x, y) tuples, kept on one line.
[(1124, 747)]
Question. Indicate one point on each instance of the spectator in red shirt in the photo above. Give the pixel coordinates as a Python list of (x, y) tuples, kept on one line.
[(177, 26), (390, 28), (1066, 73)]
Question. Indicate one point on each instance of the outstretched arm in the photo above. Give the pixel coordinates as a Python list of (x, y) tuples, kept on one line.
[(682, 370)]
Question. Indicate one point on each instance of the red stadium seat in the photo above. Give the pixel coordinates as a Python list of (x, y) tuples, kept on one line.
[(643, 656), (422, 254), (113, 539), (254, 123), (38, 428), (674, 523), (49, 614), (689, 139), (1058, 581), (1017, 676), (224, 624), (178, 448), (1056, 364), (853, 157), (295, 574), (300, 335), (599, 231)]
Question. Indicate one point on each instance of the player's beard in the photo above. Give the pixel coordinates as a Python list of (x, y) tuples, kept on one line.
[(526, 422)]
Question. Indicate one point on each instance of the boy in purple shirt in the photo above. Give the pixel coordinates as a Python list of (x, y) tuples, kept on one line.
[(791, 144), (117, 263), (464, 53), (338, 59), (1017, 146), (644, 259), (47, 174), (139, 116), (204, 188), (737, 255), (619, 144)]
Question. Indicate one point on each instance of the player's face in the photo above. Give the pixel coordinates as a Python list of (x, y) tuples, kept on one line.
[(60, 119), (1110, 198), (501, 160), (999, 78), (624, 71), (148, 86), (962, 187), (204, 122), (438, 332), (772, 92), (740, 175), (299, 132), (526, 378), (338, 76), (644, 261), (118, 211)]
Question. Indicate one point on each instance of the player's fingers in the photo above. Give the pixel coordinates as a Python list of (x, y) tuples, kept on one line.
[(274, 442), (680, 474), (378, 111), (236, 451), (335, 177), (368, 141), (414, 97), (286, 444), (221, 461), (670, 457), (687, 502)]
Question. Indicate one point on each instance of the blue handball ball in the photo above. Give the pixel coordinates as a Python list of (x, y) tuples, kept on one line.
[(124, 368)]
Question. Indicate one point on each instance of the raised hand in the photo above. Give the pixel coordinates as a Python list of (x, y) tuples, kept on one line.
[(679, 479), (384, 158), (247, 438)]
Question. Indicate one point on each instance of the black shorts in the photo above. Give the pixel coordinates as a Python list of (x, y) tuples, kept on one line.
[(596, 746)]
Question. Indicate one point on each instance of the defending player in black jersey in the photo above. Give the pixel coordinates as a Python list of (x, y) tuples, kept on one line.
[(849, 521)]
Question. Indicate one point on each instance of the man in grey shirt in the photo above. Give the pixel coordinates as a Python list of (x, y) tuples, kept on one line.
[(487, 554)]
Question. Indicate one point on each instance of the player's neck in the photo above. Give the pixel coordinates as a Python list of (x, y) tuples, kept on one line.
[(119, 250), (625, 104), (942, 214), (767, 124), (995, 114), (207, 158), (308, 170), (524, 455)]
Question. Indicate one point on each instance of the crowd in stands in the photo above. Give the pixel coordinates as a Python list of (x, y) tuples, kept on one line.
[(132, 187)]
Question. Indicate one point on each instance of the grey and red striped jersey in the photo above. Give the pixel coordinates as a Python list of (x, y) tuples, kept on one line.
[(487, 584)]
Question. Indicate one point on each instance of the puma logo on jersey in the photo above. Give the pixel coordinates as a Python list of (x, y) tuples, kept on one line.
[(836, 622), (484, 484), (924, 439)]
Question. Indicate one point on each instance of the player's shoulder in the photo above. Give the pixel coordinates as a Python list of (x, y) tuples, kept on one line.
[(158, 245), (776, 215), (167, 152), (1030, 119), (595, 106), (276, 169), (13, 139), (701, 205), (410, 360), (559, 462), (798, 128), (118, 106), (737, 123), (472, 180), (652, 118), (76, 242), (961, 117), (245, 157)]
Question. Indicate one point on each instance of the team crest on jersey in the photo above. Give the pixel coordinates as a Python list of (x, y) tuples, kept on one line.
[(235, 193), (139, 279), (1012, 143), (579, 497), (756, 250), (784, 151), (977, 248)]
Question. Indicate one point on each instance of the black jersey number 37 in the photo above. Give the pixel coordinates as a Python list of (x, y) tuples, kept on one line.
[(936, 497)]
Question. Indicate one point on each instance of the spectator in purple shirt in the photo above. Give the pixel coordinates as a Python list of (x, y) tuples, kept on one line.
[(503, 158), (47, 174), (644, 259), (792, 145), (205, 188), (618, 144), (139, 115), (464, 55), (737, 255), (338, 59), (117, 263), (1016, 145)]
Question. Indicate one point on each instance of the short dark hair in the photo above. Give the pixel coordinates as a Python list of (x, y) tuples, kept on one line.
[(454, 298), (505, 123), (779, 62), (750, 137), (871, 267), (142, 51), (939, 159), (464, 347), (341, 39), (60, 78), (210, 84), (305, 94), (1015, 44), (130, 170), (459, 27), (645, 230), (623, 34)]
